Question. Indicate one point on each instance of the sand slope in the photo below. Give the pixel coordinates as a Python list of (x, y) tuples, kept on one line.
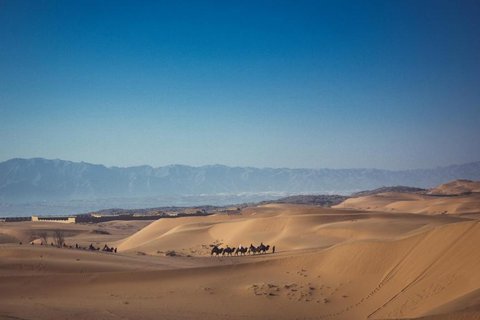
[(331, 264), (422, 275), (456, 197), (288, 227), (415, 203), (456, 187), (83, 234)]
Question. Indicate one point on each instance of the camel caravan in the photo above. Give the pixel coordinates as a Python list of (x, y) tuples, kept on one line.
[(91, 247), (240, 250)]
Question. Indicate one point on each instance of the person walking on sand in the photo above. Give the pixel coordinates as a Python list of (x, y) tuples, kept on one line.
[(273, 249)]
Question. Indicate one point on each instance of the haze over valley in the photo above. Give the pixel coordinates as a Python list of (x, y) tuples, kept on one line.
[(40, 186)]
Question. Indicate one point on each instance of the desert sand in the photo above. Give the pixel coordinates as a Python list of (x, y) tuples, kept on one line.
[(459, 197), (386, 256)]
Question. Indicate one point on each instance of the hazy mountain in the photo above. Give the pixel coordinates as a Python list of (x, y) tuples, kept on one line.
[(23, 180)]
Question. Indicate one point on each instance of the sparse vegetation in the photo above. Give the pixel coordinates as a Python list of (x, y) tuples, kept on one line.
[(39, 235), (59, 238), (43, 235), (402, 189), (100, 231), (171, 253), (322, 200)]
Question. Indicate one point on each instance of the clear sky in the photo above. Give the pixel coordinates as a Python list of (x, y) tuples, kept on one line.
[(311, 84)]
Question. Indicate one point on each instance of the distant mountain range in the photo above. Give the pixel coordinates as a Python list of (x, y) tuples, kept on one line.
[(27, 180)]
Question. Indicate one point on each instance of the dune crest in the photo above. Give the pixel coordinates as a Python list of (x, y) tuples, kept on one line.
[(456, 187), (456, 197)]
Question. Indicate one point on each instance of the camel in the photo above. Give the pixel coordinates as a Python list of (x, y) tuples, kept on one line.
[(216, 250), (241, 250), (228, 251), (253, 249), (263, 248)]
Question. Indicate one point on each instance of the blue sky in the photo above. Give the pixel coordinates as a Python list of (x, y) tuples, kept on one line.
[(338, 84)]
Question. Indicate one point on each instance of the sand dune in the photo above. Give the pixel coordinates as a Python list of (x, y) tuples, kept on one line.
[(288, 227), (456, 197), (330, 264), (415, 203), (456, 187), (84, 234)]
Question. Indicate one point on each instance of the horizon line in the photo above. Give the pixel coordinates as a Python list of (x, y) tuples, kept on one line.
[(234, 166)]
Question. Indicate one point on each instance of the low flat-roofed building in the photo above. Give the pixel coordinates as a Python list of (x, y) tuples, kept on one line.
[(54, 219)]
